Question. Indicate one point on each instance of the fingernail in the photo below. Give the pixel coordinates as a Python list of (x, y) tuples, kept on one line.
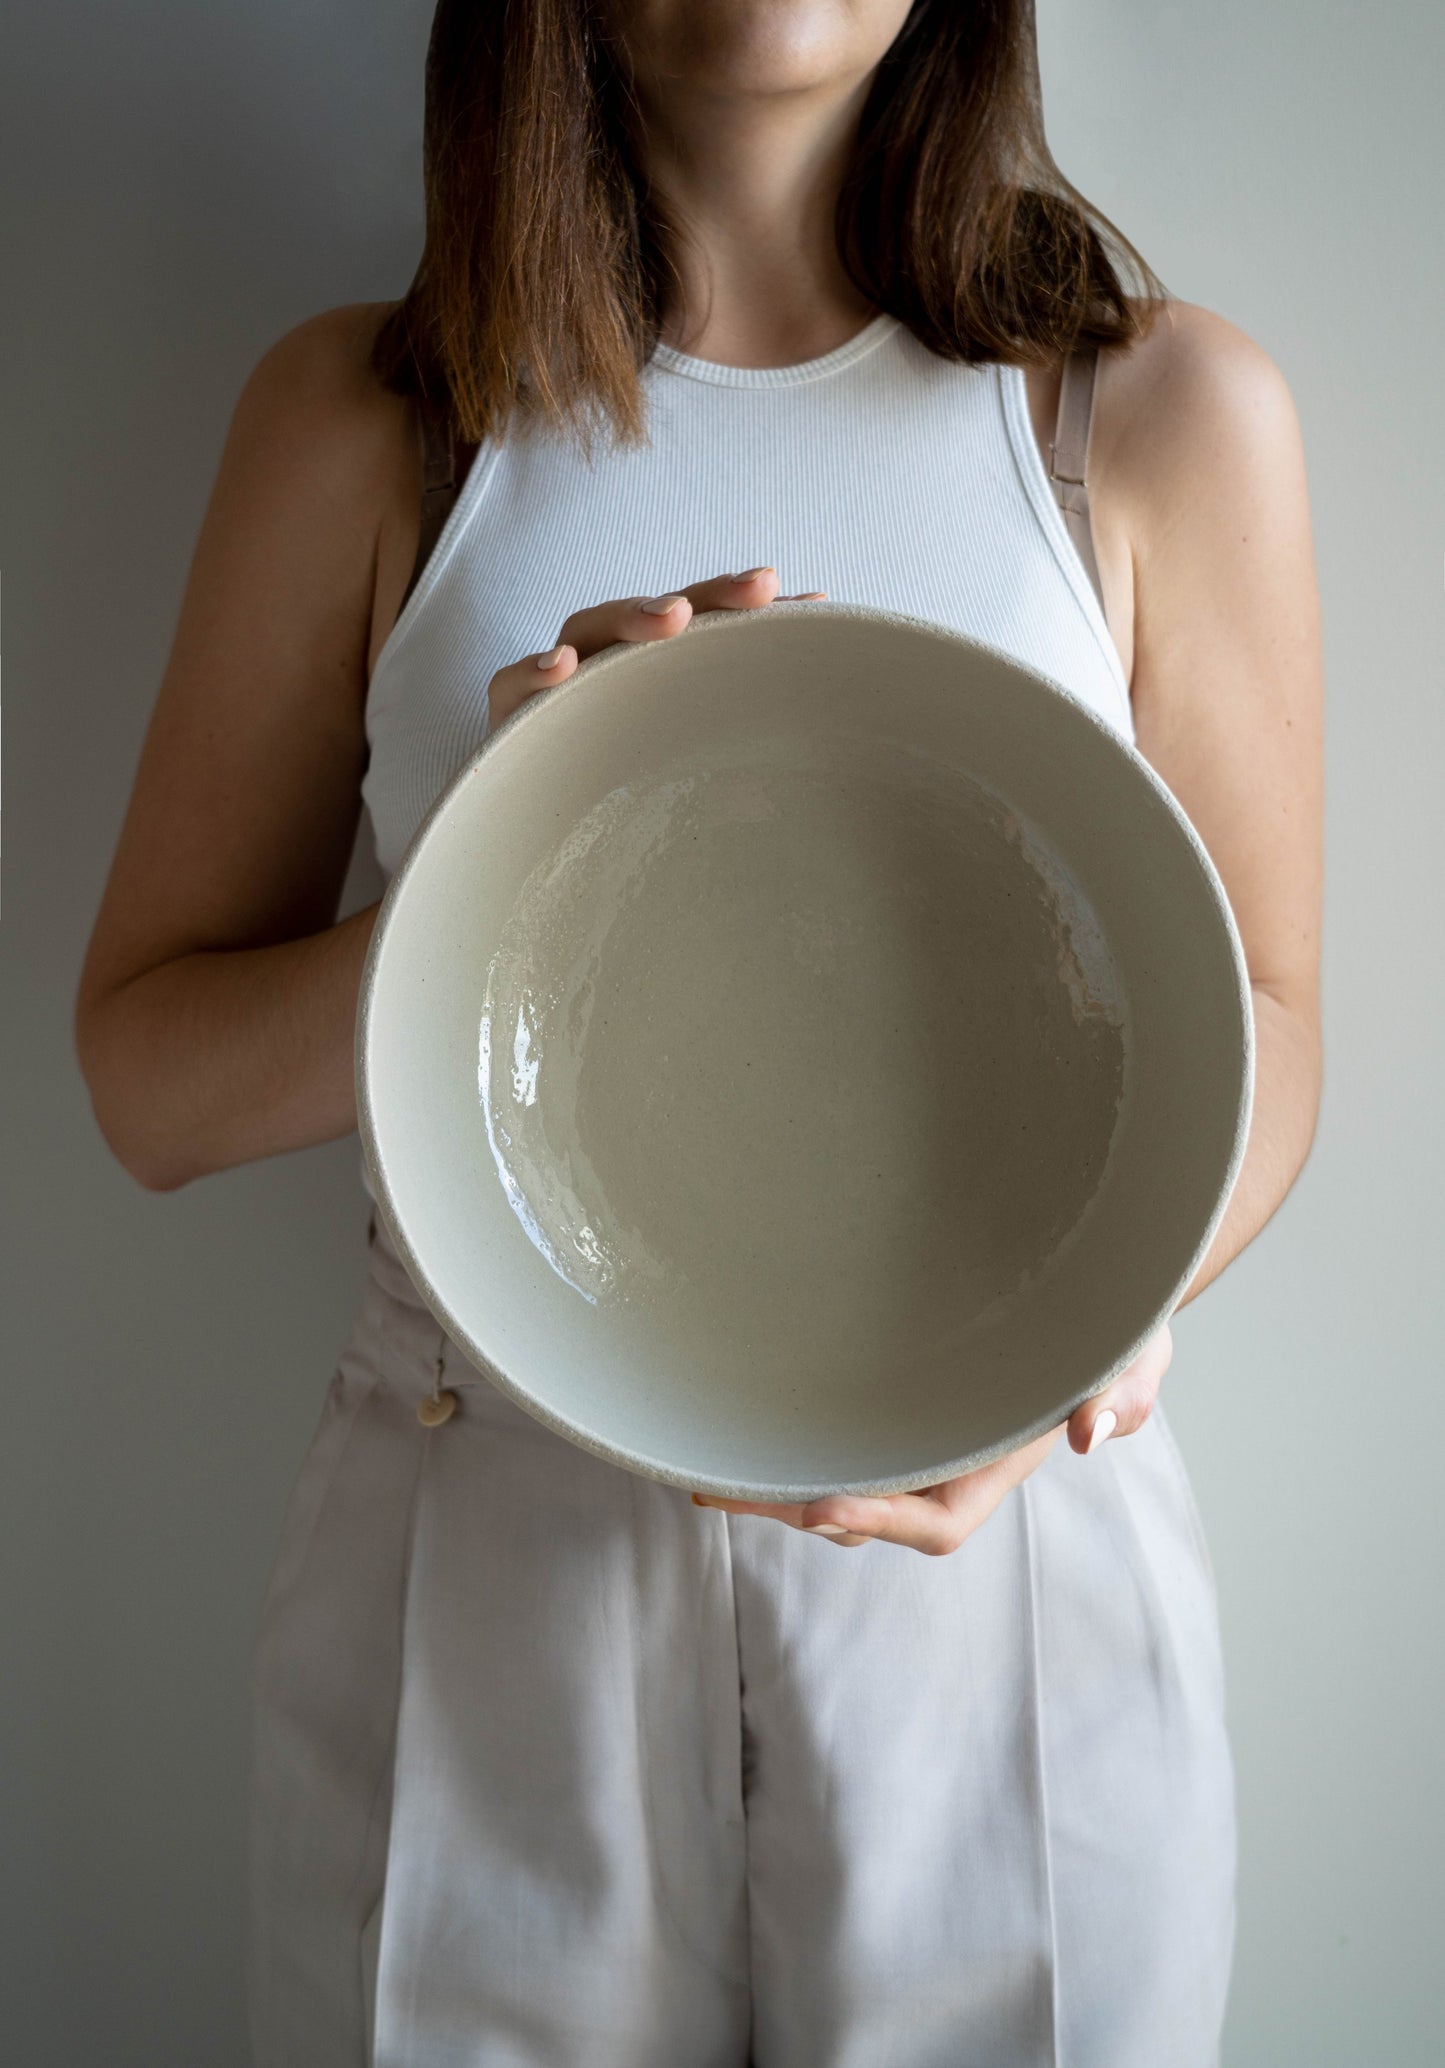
[(825, 1529), (659, 606), (1102, 1430), (553, 659), (702, 1503), (751, 575)]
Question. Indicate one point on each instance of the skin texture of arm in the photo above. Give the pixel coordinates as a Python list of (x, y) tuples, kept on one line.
[(1205, 460), (214, 1012)]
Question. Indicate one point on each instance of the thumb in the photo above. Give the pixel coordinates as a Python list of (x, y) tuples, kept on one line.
[(1127, 1402)]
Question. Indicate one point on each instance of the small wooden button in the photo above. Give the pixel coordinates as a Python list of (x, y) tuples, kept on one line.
[(437, 1408)]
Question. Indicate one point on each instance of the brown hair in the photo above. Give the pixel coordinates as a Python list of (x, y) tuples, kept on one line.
[(545, 273)]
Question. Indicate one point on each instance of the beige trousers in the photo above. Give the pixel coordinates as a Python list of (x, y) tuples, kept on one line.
[(552, 1769)]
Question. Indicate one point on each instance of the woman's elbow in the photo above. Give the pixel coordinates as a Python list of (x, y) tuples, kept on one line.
[(116, 1108)]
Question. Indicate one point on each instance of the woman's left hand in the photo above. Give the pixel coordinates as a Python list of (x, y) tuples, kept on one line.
[(938, 1519)]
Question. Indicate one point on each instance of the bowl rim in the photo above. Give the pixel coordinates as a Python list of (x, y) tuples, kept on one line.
[(721, 624)]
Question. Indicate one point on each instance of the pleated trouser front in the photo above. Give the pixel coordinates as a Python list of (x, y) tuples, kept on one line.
[(552, 1768)]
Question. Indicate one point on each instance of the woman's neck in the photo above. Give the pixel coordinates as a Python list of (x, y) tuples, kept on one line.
[(752, 185)]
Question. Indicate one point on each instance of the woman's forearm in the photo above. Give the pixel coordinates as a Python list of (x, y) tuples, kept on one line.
[(227, 1056), (1287, 1079)]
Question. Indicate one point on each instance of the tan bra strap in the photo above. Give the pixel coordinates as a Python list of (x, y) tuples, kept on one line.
[(1069, 454)]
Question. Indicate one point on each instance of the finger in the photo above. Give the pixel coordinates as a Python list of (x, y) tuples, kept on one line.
[(934, 1522), (511, 686), (804, 596), (920, 1522), (788, 1512), (1126, 1403), (940, 1518), (791, 1511), (632, 620), (638, 619)]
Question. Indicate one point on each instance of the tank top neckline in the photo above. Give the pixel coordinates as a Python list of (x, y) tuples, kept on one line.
[(720, 374)]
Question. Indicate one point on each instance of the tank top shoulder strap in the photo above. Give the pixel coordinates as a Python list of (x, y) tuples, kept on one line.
[(1069, 454), (444, 470)]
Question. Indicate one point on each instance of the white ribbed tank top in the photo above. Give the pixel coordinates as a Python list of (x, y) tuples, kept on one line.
[(880, 473)]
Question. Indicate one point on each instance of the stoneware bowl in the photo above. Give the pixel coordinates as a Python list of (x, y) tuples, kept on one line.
[(810, 1054)]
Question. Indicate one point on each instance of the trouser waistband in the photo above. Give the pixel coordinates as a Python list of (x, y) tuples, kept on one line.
[(422, 1359)]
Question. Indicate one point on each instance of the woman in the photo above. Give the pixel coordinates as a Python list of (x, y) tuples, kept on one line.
[(551, 1767)]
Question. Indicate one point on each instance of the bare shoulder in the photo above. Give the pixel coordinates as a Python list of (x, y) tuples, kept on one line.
[(314, 409), (326, 358), (1187, 345), (1194, 402), (323, 462), (1208, 478)]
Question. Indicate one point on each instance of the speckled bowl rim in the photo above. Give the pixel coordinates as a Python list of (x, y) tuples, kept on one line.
[(723, 625)]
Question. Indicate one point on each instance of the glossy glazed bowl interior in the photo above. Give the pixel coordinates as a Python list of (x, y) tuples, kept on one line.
[(811, 1053)]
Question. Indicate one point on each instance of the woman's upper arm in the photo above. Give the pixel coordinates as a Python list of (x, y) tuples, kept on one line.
[(246, 797), (1228, 679)]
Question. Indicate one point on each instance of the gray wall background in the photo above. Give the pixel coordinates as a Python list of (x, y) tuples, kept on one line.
[(183, 184)]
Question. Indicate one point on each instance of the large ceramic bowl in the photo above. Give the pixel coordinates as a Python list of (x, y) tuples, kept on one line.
[(809, 1054)]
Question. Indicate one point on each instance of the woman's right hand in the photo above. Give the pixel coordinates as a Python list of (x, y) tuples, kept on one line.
[(636, 620)]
